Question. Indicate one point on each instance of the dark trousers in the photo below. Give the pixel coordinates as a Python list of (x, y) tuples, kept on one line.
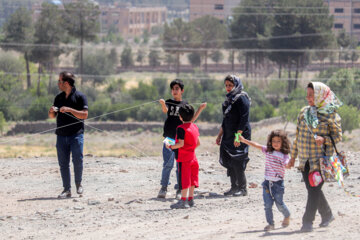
[(65, 146), (316, 200), (236, 172)]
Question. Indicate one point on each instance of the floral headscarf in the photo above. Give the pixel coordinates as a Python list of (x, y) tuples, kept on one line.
[(325, 102)]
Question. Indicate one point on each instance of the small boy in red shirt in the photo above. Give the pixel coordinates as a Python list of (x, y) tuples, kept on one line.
[(187, 140)]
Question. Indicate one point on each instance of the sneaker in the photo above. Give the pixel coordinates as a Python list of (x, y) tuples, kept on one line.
[(231, 191), (181, 204), (325, 223), (79, 188), (162, 192), (65, 194), (286, 222), (241, 192), (191, 203), (306, 227), (269, 227), (178, 194)]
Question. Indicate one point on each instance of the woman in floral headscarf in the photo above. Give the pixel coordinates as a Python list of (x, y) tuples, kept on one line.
[(316, 123), (233, 154)]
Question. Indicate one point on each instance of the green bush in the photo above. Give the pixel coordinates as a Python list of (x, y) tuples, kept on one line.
[(39, 109), (350, 118), (2, 123)]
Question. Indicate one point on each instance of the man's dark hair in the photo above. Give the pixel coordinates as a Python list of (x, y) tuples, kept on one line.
[(178, 82), (186, 112), (310, 85), (68, 77)]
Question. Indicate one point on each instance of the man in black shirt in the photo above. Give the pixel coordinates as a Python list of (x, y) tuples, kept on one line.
[(70, 109)]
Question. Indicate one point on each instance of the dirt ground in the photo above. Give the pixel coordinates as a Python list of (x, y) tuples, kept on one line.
[(119, 201)]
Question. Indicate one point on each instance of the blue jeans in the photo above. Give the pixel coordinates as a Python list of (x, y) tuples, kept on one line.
[(64, 146), (169, 158), (274, 192)]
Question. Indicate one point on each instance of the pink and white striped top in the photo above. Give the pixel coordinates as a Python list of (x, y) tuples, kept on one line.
[(275, 163)]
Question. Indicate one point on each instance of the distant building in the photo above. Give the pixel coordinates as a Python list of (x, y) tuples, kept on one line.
[(221, 9), (346, 15), (131, 21)]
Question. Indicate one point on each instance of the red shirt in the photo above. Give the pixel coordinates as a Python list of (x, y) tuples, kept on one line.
[(189, 132)]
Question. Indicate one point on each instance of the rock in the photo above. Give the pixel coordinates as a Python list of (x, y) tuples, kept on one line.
[(75, 200), (79, 208), (186, 217), (253, 185), (93, 202), (110, 199)]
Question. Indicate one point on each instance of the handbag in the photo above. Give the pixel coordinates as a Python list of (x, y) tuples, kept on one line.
[(333, 168)]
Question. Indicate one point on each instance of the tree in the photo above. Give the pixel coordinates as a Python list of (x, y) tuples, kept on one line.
[(49, 34), (176, 37), (18, 35), (217, 56), (209, 33), (195, 59), (127, 58), (308, 25), (250, 28), (2, 123), (140, 56), (82, 22), (154, 58)]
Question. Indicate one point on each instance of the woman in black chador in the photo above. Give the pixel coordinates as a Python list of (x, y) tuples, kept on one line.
[(233, 154)]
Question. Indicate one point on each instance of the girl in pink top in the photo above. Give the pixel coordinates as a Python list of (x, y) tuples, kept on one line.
[(276, 158)]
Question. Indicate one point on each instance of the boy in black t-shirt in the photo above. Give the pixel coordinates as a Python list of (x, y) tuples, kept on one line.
[(171, 108)]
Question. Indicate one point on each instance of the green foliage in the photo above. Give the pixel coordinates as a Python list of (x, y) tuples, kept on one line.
[(258, 112), (194, 59), (144, 92), (100, 107), (161, 85), (290, 108), (97, 64), (140, 55), (18, 33), (10, 64), (350, 117), (38, 109), (217, 56), (154, 58), (126, 57), (2, 123)]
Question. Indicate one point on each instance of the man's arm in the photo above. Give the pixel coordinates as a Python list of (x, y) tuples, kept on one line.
[(80, 114)]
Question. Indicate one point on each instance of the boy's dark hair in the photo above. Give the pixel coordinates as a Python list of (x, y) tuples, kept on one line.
[(186, 112), (178, 82), (310, 85), (285, 143), (68, 77)]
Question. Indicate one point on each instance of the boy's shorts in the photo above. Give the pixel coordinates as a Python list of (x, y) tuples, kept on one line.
[(188, 174)]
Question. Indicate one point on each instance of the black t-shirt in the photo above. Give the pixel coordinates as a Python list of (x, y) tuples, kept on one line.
[(75, 100), (180, 134), (173, 120)]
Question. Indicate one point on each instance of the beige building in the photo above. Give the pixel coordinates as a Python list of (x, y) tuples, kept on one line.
[(221, 9), (346, 15), (131, 21)]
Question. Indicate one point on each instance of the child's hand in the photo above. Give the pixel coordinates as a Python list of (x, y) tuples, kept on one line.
[(162, 101), (168, 146), (203, 105), (291, 163), (241, 138)]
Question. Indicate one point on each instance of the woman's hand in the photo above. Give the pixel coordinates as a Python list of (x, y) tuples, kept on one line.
[(291, 163), (319, 140), (236, 144)]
